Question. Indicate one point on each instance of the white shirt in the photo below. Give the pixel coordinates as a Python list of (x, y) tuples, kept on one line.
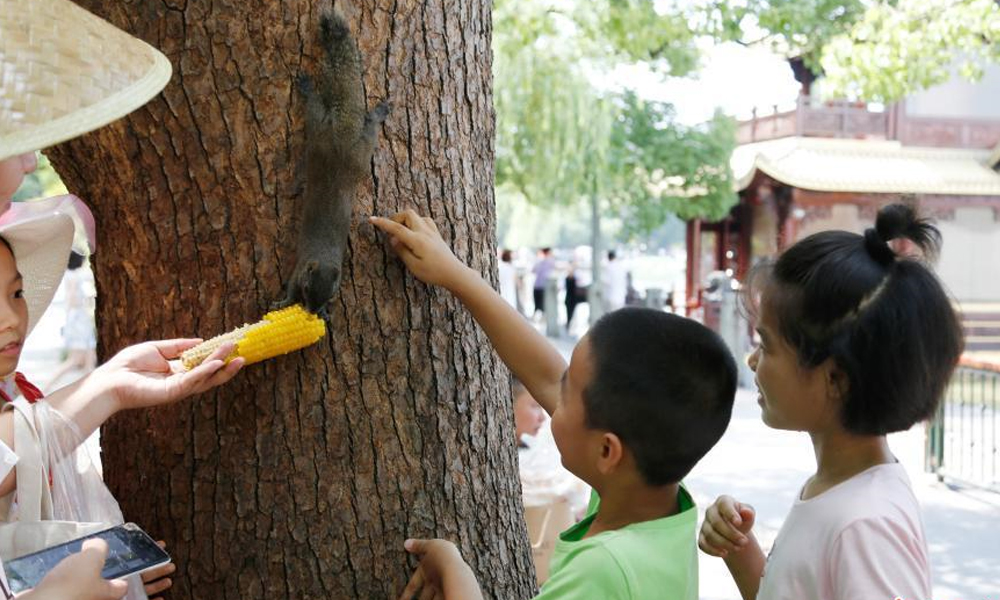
[(7, 461), (615, 280), (508, 282), (862, 539)]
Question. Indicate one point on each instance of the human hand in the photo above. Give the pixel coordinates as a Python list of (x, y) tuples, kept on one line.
[(157, 580), (441, 573), (147, 374), (417, 241), (726, 527), (78, 577)]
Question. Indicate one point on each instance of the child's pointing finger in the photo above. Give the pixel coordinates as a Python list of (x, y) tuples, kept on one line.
[(395, 229)]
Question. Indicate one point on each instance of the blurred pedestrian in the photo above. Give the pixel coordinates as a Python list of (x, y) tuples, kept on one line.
[(508, 277), (542, 270), (575, 294), (615, 279), (632, 296), (79, 339), (529, 416)]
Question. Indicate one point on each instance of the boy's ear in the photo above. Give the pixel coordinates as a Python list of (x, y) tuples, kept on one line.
[(612, 453)]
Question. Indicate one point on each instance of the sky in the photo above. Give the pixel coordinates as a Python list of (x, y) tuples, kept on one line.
[(733, 77)]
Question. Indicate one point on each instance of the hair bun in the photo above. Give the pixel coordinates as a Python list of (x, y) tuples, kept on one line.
[(902, 221), (877, 247)]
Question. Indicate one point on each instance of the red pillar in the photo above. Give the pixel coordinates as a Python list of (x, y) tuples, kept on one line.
[(722, 244), (744, 239), (693, 279)]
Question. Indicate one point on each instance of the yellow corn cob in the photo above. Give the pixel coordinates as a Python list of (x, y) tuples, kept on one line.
[(279, 332)]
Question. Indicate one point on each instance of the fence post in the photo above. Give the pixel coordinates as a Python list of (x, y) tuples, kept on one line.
[(552, 308), (655, 298), (733, 330), (934, 448)]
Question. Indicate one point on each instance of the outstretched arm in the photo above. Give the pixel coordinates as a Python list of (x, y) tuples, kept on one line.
[(526, 352), (139, 376), (143, 375)]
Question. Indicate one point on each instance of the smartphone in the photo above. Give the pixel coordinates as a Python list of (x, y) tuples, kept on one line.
[(130, 551)]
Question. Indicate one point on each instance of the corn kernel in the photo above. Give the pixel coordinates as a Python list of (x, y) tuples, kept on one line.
[(279, 332)]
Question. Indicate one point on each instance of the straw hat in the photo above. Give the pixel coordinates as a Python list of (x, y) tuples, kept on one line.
[(64, 72), (41, 234)]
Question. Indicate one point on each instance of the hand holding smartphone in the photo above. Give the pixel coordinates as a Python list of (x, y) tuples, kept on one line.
[(130, 551)]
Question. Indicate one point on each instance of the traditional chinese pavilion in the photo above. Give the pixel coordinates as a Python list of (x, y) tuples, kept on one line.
[(831, 165)]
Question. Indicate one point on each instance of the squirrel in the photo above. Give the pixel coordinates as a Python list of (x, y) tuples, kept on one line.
[(340, 139)]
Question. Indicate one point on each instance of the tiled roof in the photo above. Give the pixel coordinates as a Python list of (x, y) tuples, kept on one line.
[(867, 166)]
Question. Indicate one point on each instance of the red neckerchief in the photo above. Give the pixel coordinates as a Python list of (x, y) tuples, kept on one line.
[(31, 393)]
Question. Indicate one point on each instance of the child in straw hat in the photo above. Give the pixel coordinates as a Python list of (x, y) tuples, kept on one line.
[(33, 247), (54, 87)]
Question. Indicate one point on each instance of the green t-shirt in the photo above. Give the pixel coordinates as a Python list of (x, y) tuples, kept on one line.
[(653, 559)]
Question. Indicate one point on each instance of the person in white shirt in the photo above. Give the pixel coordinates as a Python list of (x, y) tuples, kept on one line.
[(615, 279), (508, 278)]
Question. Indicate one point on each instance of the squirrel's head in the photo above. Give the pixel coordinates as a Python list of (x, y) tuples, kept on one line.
[(319, 285)]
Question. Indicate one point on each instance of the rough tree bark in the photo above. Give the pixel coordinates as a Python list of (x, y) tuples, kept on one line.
[(302, 478)]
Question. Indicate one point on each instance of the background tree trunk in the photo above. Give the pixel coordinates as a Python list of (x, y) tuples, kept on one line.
[(302, 478)]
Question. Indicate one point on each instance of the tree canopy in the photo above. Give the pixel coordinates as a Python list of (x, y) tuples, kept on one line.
[(561, 139), (895, 50), (41, 183), (876, 50)]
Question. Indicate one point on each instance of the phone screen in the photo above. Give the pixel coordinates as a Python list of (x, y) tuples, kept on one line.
[(130, 550)]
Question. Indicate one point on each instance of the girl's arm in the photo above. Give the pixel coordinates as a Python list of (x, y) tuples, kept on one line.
[(139, 376), (727, 532), (747, 567)]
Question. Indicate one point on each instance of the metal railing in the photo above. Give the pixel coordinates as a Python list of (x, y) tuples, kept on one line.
[(962, 443)]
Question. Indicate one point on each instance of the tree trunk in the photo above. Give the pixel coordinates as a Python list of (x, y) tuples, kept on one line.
[(302, 477)]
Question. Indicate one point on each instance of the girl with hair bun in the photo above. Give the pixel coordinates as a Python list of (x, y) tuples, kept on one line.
[(857, 341)]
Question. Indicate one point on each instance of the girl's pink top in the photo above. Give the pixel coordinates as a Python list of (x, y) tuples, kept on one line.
[(862, 539)]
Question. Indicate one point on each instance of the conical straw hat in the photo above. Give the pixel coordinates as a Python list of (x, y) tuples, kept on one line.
[(64, 72)]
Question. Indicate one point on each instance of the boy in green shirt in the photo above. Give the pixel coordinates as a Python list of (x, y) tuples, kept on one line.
[(645, 396)]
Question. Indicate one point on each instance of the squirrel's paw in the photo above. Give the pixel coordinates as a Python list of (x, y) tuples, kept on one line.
[(283, 303), (305, 85), (378, 114)]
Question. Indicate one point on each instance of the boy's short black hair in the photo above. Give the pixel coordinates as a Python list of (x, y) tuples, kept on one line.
[(662, 383), (883, 318)]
